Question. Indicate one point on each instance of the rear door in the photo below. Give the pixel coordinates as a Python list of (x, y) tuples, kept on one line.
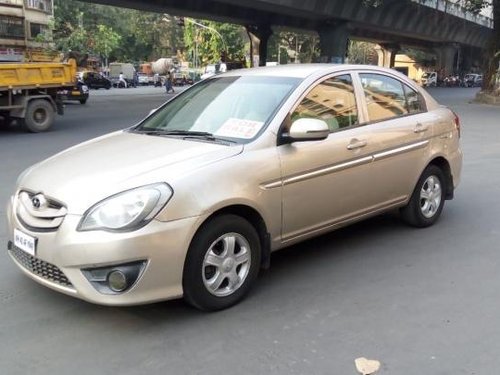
[(401, 127)]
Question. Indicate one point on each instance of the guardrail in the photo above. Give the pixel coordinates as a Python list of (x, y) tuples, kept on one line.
[(457, 10)]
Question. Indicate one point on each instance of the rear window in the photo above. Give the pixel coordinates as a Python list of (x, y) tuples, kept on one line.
[(387, 97)]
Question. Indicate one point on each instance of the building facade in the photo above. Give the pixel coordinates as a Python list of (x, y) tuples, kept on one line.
[(23, 27)]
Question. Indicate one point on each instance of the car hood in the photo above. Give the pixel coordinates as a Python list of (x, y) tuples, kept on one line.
[(89, 172)]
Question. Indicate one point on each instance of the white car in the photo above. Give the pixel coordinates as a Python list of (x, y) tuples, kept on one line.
[(142, 79)]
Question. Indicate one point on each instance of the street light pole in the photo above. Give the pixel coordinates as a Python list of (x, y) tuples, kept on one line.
[(210, 29)]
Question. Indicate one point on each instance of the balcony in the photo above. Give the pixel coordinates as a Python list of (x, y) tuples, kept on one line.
[(41, 5), (12, 3)]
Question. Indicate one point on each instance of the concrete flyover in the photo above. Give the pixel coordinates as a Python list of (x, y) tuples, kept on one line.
[(435, 24)]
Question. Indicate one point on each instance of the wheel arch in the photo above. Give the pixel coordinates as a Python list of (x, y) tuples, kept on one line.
[(444, 165), (25, 100), (255, 219)]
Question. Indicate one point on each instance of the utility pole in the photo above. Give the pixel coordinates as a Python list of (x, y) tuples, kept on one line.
[(211, 29)]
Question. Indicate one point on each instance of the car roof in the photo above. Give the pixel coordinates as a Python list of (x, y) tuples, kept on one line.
[(302, 70), (314, 71)]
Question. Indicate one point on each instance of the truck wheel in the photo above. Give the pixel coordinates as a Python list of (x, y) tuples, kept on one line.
[(39, 116)]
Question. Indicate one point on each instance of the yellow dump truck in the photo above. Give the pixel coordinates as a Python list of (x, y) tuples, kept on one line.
[(30, 92)]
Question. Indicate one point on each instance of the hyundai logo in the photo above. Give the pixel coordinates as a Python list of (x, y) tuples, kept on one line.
[(39, 201)]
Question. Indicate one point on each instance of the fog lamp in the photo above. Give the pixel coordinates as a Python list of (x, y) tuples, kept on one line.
[(117, 281)]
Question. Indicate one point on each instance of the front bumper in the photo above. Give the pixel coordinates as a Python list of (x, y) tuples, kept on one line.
[(162, 245)]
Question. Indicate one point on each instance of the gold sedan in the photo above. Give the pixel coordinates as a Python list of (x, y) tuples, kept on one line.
[(192, 201)]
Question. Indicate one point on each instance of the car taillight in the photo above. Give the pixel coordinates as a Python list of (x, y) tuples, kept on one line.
[(457, 123)]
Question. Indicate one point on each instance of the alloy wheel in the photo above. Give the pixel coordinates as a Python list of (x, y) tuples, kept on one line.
[(430, 196), (226, 264)]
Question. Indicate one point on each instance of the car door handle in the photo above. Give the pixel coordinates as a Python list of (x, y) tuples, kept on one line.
[(356, 143), (419, 128)]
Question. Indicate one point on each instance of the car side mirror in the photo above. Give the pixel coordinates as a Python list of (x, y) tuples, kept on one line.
[(307, 129)]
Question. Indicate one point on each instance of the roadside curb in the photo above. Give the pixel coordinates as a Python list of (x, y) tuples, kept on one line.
[(486, 98)]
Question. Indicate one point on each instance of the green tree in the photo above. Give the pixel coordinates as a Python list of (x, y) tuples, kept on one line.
[(293, 46), (104, 41), (73, 38), (362, 52), (143, 35), (276, 50), (210, 41)]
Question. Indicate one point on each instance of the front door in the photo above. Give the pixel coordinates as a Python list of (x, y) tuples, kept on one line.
[(327, 182)]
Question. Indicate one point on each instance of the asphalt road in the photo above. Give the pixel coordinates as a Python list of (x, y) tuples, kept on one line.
[(420, 301)]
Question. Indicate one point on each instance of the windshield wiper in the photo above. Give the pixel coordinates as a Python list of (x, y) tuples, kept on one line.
[(187, 134)]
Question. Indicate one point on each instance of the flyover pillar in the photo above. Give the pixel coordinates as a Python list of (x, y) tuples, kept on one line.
[(446, 58), (333, 40), (387, 54), (259, 37)]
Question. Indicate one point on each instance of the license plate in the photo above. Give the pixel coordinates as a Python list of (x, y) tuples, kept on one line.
[(25, 242), (75, 93)]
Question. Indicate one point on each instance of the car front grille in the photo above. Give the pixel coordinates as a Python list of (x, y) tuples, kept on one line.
[(40, 268), (39, 213)]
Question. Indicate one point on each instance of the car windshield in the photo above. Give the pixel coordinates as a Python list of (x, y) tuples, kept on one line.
[(234, 108)]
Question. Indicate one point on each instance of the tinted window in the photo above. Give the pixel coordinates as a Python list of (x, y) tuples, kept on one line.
[(385, 97), (332, 101), (413, 99)]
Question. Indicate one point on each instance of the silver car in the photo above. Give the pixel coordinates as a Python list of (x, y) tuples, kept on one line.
[(193, 200)]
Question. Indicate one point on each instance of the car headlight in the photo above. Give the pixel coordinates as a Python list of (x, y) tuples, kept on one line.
[(127, 211)]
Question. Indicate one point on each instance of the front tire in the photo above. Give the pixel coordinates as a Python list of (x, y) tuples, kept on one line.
[(222, 263), (427, 200)]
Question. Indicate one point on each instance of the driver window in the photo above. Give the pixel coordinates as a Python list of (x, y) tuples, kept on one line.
[(332, 101)]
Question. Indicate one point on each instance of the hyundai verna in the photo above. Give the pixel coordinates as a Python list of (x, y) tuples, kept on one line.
[(192, 200)]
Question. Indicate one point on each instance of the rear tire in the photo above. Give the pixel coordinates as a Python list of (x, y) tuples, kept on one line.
[(83, 101), (427, 200), (222, 263), (39, 116)]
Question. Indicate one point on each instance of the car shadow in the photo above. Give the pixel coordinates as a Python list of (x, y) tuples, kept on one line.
[(278, 283), (308, 255)]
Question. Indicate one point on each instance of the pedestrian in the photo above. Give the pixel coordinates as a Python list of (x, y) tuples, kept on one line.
[(168, 84), (122, 80)]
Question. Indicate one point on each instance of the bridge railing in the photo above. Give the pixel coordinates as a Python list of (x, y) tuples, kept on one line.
[(455, 9)]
